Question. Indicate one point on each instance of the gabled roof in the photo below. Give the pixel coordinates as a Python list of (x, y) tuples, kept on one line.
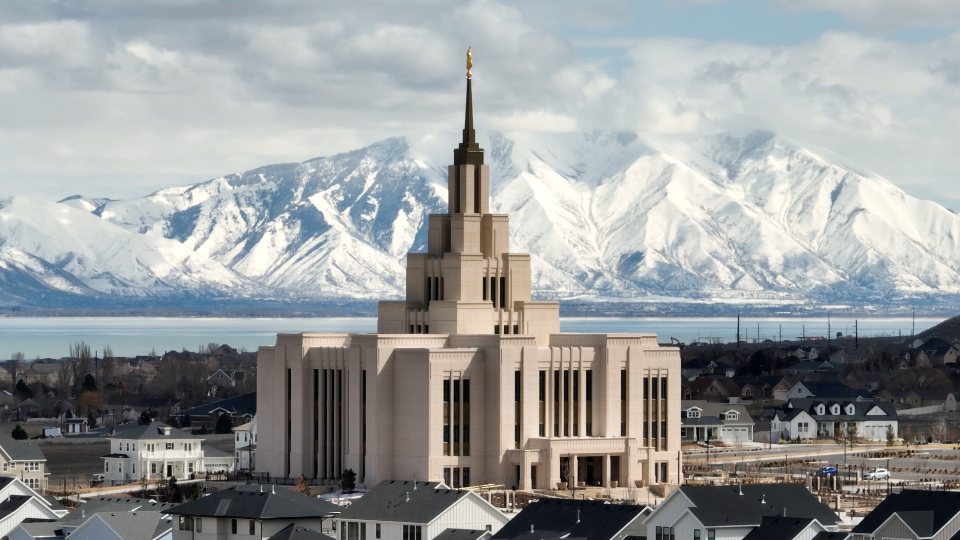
[(723, 506), (861, 408), (714, 410), (827, 535), (134, 525), (299, 532), (929, 510), (110, 504), (404, 501), (256, 502), (553, 518), (13, 504), (153, 432), (214, 452), (936, 346), (814, 365), (779, 528), (19, 450), (237, 406), (461, 534), (834, 390), (698, 363)]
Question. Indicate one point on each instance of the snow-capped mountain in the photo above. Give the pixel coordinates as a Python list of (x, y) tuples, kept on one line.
[(46, 246), (603, 214)]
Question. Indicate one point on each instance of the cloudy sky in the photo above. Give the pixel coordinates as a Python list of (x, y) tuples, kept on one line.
[(117, 99)]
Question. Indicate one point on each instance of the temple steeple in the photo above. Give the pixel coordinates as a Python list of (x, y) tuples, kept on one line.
[(469, 152)]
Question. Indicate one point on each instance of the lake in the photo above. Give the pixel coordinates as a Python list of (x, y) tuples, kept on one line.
[(50, 337)]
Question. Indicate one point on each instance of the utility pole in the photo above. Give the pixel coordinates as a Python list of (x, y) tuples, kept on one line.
[(758, 333), (913, 331), (856, 333), (781, 332), (829, 331), (738, 330)]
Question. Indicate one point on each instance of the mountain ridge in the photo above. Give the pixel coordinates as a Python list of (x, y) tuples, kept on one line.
[(614, 215)]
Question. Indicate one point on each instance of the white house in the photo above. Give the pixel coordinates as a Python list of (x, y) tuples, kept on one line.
[(218, 461), (408, 510), (824, 390), (245, 445), (19, 502), (125, 526), (69, 523), (705, 420), (825, 418), (732, 512), (249, 511), (152, 451)]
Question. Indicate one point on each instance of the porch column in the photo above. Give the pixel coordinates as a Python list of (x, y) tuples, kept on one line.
[(606, 470), (553, 468), (574, 470)]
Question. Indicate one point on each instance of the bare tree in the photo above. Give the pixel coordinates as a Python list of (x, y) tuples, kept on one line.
[(18, 357), (939, 429), (80, 352)]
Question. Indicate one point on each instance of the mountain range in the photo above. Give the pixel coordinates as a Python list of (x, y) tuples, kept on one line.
[(751, 216)]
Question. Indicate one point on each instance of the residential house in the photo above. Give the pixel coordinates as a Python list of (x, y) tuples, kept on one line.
[(912, 514), (809, 418), (908, 399), (25, 460), (802, 353), (76, 425), (807, 367), (240, 409), (258, 511), (408, 510), (940, 352), (299, 532), (698, 367), (69, 523), (764, 387), (19, 502), (788, 528), (138, 525), (732, 512), (218, 461), (27, 409), (152, 451), (226, 378), (722, 422), (245, 445), (704, 388), (44, 372), (870, 382), (566, 518), (833, 390)]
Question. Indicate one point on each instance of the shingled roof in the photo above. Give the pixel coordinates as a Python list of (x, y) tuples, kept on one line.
[(555, 518), (722, 506), (256, 502), (299, 532), (926, 512), (153, 431), (779, 528), (20, 451), (405, 501)]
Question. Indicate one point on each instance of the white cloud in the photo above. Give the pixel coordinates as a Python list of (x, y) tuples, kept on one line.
[(887, 14)]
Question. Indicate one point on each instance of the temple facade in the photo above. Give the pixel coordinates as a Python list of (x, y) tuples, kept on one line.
[(467, 380)]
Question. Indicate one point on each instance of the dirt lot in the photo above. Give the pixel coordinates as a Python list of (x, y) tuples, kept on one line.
[(74, 461)]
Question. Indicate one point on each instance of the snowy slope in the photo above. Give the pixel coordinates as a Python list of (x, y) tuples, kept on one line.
[(65, 249), (607, 214)]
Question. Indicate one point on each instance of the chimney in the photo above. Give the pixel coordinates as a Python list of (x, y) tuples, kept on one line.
[(531, 528), (740, 486), (578, 515), (408, 496), (763, 499)]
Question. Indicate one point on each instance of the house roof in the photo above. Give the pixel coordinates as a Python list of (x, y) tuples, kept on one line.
[(210, 451), (256, 502), (153, 431), (299, 532), (827, 535), (13, 504), (136, 525), (936, 347), (404, 501), (721, 506), (461, 534), (714, 410), (778, 527), (698, 363), (19, 450), (591, 520), (926, 510), (237, 405), (110, 505), (814, 365), (861, 408), (835, 390)]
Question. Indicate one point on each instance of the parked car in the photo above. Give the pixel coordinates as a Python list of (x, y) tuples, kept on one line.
[(876, 474), (824, 471)]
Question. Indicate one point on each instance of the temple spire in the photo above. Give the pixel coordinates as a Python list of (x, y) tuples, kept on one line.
[(469, 152)]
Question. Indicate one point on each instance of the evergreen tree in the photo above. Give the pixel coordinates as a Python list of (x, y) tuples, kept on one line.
[(89, 383), (348, 480), (19, 433), (224, 425), (145, 418), (24, 390)]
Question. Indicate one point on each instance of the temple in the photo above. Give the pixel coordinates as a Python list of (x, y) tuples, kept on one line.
[(467, 380)]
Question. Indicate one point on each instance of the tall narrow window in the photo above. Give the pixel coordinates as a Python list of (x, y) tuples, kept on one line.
[(486, 295), (493, 291), (503, 293), (566, 403), (466, 417), (576, 403), (456, 417), (663, 388), (588, 391), (623, 403), (446, 417), (653, 387), (517, 387), (556, 403), (542, 391), (316, 423)]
